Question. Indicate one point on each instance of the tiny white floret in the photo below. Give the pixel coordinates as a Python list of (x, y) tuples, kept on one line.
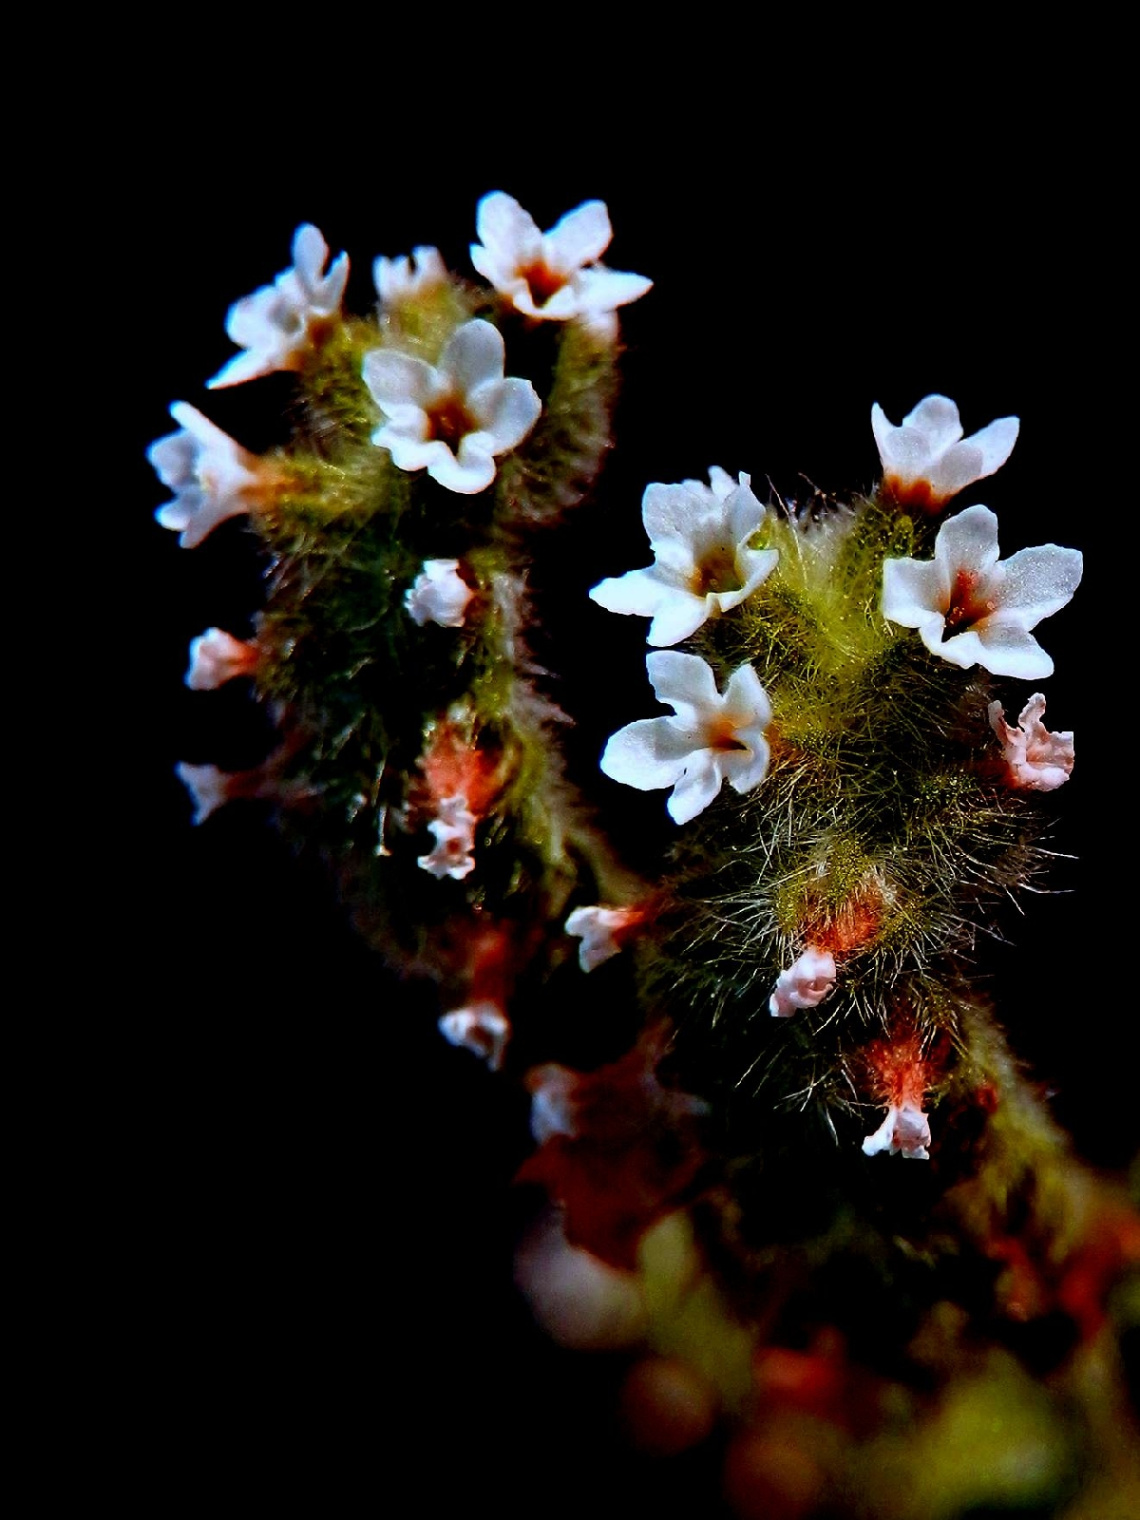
[(710, 739), (212, 477), (454, 418), (408, 276), (209, 788), (926, 461), (602, 932), (972, 610), (454, 831), (217, 657), (553, 1105), (703, 563), (482, 1028), (905, 1130), (552, 274), (277, 324), (1036, 760), (804, 984), (439, 594)]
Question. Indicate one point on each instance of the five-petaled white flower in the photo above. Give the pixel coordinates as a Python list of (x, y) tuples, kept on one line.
[(711, 738), (212, 477), (276, 324), (926, 461), (906, 1129), (217, 657), (971, 610), (454, 831), (482, 1028), (703, 565), (551, 274), (1035, 759), (408, 276), (803, 984), (439, 594), (603, 932), (455, 417)]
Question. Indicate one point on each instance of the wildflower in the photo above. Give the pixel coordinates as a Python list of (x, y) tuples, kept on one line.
[(405, 278), (804, 984), (971, 610), (438, 594), (703, 565), (711, 738), (552, 274), (454, 831), (603, 931), (217, 657), (212, 477), (906, 1128), (452, 419), (926, 461), (211, 788), (276, 324), (1035, 759), (483, 1028), (553, 1106)]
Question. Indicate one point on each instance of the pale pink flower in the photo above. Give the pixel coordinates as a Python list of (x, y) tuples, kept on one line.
[(711, 739), (211, 788), (926, 462), (803, 984), (454, 418), (409, 276), (906, 1129), (217, 657), (454, 831), (1036, 759), (483, 1028), (439, 594), (553, 1105), (276, 324), (972, 610), (551, 274), (703, 563), (212, 477), (602, 931)]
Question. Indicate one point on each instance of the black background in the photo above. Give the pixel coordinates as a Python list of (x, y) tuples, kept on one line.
[(292, 1219)]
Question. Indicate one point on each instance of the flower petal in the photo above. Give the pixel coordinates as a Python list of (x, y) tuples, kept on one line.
[(648, 754), (474, 353), (685, 682), (968, 541), (581, 237), (1040, 581)]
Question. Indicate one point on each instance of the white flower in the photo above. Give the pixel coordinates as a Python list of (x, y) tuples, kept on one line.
[(217, 657), (452, 419), (703, 565), (554, 1106), (905, 1129), (602, 931), (804, 984), (1037, 760), (438, 594), (408, 276), (972, 610), (209, 787), (712, 737), (276, 324), (454, 832), (552, 274), (212, 477), (482, 1028), (925, 461)]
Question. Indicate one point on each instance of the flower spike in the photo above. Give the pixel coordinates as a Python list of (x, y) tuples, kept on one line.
[(712, 737), (703, 565), (972, 610), (925, 462)]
